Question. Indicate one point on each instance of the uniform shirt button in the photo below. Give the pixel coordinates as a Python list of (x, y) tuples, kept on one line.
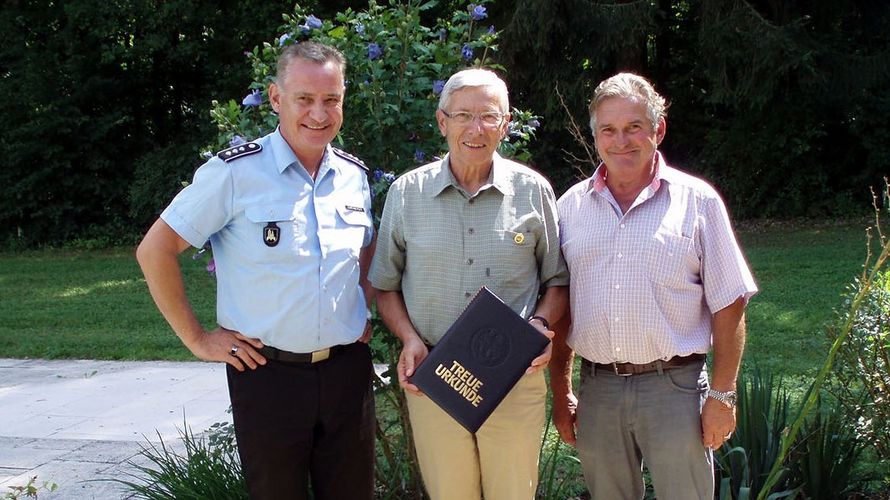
[(469, 262), (467, 294), (471, 230)]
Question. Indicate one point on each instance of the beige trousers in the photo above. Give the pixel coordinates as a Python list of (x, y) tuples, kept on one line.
[(500, 461)]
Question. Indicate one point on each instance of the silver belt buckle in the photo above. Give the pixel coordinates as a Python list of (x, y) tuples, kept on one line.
[(321, 355), (615, 369)]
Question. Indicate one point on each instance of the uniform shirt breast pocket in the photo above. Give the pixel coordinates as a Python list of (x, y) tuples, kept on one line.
[(274, 231), (671, 260), (354, 225)]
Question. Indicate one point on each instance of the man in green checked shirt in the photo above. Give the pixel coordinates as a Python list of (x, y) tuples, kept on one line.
[(448, 228)]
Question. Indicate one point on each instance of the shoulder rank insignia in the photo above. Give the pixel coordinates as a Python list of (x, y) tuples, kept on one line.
[(348, 157), (239, 151)]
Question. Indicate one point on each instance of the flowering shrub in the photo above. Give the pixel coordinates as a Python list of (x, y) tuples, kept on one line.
[(396, 69)]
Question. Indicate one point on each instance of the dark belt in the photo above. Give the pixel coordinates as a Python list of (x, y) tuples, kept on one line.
[(270, 352), (628, 369)]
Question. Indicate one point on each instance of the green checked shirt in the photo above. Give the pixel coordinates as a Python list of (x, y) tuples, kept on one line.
[(438, 245)]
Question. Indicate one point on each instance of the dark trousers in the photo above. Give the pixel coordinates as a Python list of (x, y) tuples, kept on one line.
[(296, 422)]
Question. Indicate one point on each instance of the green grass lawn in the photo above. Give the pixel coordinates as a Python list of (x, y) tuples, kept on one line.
[(58, 304), (802, 273)]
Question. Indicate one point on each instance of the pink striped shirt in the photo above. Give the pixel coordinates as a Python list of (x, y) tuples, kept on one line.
[(645, 284)]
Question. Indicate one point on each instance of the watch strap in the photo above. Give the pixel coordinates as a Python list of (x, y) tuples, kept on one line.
[(727, 398), (543, 321)]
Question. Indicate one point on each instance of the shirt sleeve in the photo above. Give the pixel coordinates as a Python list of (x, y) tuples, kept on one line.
[(389, 257), (369, 209), (204, 206), (725, 272), (551, 265)]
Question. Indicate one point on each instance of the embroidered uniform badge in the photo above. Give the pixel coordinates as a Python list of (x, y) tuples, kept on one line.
[(271, 234)]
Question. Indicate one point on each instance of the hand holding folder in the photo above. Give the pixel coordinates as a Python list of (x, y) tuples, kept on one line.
[(479, 359)]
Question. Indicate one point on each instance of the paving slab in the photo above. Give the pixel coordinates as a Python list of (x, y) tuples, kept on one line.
[(81, 424)]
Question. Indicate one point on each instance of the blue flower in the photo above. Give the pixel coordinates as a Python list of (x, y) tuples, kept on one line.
[(467, 52), (283, 39), (236, 140), (419, 155), (378, 174), (374, 51), (438, 86), (389, 177), (534, 123), (313, 22), (360, 28), (477, 12), (491, 30), (254, 98)]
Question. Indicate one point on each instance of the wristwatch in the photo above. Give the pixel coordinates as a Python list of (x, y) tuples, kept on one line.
[(543, 321), (728, 398)]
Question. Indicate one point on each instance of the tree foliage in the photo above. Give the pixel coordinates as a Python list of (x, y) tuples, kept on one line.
[(780, 103), (95, 88)]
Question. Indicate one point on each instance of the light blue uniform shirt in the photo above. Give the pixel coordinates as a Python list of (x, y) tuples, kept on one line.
[(302, 294)]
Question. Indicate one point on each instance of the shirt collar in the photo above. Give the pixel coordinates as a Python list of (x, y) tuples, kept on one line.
[(597, 182), (285, 156), (499, 177)]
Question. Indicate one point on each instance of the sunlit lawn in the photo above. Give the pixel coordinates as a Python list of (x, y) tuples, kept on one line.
[(802, 273), (58, 304), (89, 305)]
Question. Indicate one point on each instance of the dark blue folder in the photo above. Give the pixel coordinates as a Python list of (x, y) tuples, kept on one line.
[(479, 359)]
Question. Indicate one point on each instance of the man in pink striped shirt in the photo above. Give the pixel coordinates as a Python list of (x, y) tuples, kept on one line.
[(657, 281)]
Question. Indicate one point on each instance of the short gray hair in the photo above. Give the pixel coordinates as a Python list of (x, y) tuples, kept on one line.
[(310, 51), (629, 86), (475, 77)]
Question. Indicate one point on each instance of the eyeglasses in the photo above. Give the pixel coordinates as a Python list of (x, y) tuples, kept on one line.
[(488, 119)]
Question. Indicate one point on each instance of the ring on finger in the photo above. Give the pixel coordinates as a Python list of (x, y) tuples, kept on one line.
[(234, 350)]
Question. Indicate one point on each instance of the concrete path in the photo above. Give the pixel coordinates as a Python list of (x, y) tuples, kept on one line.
[(75, 422)]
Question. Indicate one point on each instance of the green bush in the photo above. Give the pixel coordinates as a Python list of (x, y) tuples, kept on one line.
[(762, 415), (206, 469), (824, 462), (396, 67), (863, 370)]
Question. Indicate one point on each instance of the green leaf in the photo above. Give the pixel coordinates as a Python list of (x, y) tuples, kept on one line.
[(338, 33)]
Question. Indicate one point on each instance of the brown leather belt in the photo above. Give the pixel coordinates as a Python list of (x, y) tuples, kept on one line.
[(628, 369), (270, 352)]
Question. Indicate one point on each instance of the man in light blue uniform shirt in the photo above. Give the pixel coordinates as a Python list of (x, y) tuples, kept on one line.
[(289, 221)]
